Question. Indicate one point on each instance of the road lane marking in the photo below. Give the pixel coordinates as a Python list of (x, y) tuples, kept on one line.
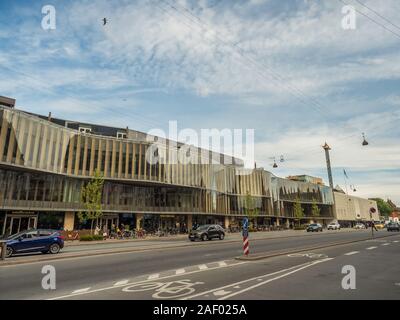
[(385, 244), (121, 282), (237, 284), (203, 267), (273, 279), (142, 281), (396, 241), (222, 264), (351, 253), (81, 290), (371, 248), (180, 271), (153, 276)]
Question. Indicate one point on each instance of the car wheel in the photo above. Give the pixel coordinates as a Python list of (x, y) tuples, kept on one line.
[(204, 237), (54, 248), (9, 252), (221, 236)]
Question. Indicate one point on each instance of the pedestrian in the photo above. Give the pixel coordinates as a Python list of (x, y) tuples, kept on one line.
[(96, 230), (373, 226)]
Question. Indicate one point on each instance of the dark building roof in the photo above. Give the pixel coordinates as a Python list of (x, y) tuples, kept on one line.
[(7, 102)]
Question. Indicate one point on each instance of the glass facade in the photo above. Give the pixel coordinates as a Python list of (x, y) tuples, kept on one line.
[(43, 166)]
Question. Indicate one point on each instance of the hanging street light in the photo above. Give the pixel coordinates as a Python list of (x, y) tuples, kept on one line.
[(365, 142)]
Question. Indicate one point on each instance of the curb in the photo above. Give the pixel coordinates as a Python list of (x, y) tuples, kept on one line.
[(282, 253)]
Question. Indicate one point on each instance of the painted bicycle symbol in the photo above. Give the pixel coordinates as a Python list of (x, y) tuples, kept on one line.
[(167, 290), (310, 255)]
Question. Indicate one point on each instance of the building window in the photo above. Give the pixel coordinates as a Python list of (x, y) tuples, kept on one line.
[(121, 135), (85, 130)]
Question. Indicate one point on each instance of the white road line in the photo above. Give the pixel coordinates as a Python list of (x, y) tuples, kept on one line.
[(142, 281), (222, 264), (307, 264), (153, 276), (396, 241), (81, 290), (202, 267), (273, 279), (386, 244), (121, 282), (351, 253), (180, 271), (371, 248)]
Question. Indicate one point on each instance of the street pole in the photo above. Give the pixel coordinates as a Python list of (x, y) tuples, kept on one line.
[(328, 163), (245, 233), (3, 245)]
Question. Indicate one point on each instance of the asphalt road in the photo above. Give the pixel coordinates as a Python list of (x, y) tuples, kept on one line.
[(211, 272)]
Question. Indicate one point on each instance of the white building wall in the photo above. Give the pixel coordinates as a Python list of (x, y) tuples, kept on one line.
[(351, 208)]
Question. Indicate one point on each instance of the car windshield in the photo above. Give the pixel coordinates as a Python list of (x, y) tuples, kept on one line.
[(16, 235), (313, 225), (205, 227)]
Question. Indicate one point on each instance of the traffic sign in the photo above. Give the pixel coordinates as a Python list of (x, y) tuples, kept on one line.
[(245, 223)]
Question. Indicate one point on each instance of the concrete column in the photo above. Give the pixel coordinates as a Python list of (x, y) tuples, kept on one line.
[(227, 221), (139, 217), (287, 223), (189, 222), (277, 222), (69, 219)]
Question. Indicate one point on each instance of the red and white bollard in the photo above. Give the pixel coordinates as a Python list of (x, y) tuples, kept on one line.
[(246, 246)]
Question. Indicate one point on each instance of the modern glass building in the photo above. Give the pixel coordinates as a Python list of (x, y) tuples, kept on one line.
[(45, 161)]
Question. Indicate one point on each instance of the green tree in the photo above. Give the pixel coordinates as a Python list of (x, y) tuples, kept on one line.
[(315, 210), (298, 210), (384, 208), (91, 195), (250, 209)]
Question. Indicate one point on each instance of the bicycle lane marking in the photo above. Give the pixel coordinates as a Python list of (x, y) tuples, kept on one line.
[(230, 290), (165, 290), (145, 280)]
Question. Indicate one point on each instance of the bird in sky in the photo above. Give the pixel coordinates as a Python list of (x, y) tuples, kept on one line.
[(104, 21)]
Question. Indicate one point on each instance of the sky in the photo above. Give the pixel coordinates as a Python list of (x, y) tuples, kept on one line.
[(285, 68)]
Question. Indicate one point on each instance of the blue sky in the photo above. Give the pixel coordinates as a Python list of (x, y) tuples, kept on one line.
[(284, 68)]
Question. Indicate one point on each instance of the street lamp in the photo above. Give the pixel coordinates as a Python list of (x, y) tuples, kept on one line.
[(365, 142)]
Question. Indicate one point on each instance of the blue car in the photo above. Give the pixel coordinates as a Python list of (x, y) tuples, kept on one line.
[(35, 240)]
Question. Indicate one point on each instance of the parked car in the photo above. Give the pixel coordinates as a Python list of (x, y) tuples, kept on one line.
[(379, 225), (207, 232), (314, 227), (333, 226), (35, 240), (393, 226), (359, 226)]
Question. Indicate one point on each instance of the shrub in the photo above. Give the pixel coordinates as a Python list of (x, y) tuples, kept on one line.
[(91, 237), (302, 227), (252, 229)]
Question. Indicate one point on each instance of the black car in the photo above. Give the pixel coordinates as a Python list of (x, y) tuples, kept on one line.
[(393, 226), (314, 227), (207, 232)]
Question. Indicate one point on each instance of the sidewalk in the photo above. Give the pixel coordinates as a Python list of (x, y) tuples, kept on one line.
[(229, 236)]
